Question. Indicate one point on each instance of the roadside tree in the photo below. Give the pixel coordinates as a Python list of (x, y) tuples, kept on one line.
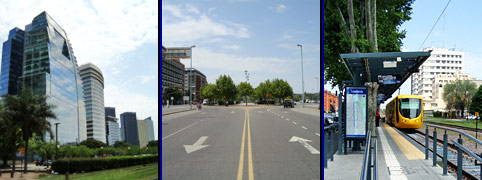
[(245, 89), (226, 87)]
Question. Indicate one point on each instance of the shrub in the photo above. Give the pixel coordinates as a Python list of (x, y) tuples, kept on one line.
[(94, 164)]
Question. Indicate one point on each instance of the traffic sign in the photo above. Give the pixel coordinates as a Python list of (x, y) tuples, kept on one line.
[(477, 114)]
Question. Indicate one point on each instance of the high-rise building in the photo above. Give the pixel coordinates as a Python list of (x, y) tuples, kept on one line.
[(129, 130), (150, 129), (93, 86), (143, 131), (50, 68), (198, 80), (112, 130), (12, 58), (172, 68), (441, 61)]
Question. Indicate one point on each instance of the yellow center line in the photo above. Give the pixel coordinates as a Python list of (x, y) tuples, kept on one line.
[(250, 157), (241, 155)]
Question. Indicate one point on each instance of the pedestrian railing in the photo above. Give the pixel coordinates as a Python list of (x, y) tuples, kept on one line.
[(366, 173), (458, 144), (328, 131)]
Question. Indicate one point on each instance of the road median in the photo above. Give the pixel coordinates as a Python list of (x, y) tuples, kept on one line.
[(168, 113)]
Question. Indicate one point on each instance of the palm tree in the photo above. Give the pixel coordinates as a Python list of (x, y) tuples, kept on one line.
[(10, 130), (31, 112)]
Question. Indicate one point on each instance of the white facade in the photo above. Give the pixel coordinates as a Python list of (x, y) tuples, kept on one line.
[(441, 62)]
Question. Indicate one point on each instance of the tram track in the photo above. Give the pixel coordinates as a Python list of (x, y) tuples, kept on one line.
[(451, 165)]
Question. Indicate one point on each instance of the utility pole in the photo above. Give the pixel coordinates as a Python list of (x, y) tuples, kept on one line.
[(190, 76), (302, 77), (56, 140)]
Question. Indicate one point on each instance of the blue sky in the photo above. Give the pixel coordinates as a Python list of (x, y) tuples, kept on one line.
[(458, 27), (258, 36), (120, 37)]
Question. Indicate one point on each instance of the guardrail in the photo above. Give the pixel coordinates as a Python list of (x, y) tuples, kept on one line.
[(458, 144), (367, 159), (328, 130)]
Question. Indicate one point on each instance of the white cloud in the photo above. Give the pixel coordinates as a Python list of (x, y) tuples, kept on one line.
[(206, 59), (188, 27), (146, 78), (231, 47), (280, 8)]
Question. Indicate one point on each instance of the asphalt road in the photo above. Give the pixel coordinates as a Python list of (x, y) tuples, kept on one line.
[(241, 143)]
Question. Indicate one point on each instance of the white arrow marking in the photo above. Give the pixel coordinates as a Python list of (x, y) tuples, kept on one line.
[(197, 145), (305, 144)]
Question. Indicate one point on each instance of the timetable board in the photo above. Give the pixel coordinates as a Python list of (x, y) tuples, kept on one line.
[(356, 112)]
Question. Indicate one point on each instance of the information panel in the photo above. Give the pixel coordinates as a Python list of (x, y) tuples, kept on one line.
[(356, 112)]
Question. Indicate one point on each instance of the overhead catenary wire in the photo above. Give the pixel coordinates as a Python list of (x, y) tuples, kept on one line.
[(434, 25)]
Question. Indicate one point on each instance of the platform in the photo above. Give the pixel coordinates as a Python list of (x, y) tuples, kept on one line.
[(398, 157)]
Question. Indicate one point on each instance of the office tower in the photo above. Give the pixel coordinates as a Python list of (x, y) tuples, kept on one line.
[(50, 68), (129, 131), (93, 86), (150, 129), (142, 129), (112, 130), (12, 58)]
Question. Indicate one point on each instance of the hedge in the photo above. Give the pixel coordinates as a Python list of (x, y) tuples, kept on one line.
[(77, 165)]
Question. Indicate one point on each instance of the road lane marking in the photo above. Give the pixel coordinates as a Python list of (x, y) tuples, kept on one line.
[(303, 127), (179, 130), (241, 154), (294, 122), (197, 145), (305, 144), (287, 119), (250, 156), (318, 134), (282, 117)]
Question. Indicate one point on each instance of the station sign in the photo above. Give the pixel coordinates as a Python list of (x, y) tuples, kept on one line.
[(388, 79)]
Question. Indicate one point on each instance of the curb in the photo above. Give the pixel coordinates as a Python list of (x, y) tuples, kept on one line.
[(178, 112), (315, 110)]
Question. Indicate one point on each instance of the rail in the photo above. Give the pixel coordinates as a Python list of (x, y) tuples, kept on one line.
[(328, 130), (459, 145), (367, 159)]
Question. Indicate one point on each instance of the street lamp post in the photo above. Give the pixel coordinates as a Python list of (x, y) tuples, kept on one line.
[(302, 78), (319, 95), (190, 76), (56, 140)]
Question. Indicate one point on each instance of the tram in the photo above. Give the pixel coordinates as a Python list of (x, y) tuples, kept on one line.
[(405, 112)]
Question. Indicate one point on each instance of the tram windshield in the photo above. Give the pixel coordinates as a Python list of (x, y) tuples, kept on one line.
[(410, 108)]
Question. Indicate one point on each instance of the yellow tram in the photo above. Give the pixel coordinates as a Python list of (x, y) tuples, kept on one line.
[(405, 111)]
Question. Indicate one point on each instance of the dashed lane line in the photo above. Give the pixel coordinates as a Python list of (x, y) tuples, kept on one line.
[(303, 127), (294, 122)]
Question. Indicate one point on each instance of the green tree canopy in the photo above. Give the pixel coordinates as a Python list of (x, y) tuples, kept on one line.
[(340, 31), (172, 92), (476, 102), (226, 87), (93, 143), (458, 93), (119, 144), (210, 92), (263, 91), (245, 89), (154, 143)]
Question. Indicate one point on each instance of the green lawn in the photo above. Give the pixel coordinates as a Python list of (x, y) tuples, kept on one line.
[(148, 172), (430, 117), (466, 123)]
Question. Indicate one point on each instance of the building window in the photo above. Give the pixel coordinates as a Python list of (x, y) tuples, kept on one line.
[(437, 61), (443, 61), (438, 67), (443, 55)]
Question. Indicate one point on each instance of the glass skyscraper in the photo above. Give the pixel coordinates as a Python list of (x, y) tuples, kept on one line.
[(50, 68), (12, 58), (112, 129), (93, 85), (129, 130), (150, 128)]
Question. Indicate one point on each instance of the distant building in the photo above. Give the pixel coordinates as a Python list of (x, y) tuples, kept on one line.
[(198, 80), (12, 61), (172, 68), (129, 129), (441, 62), (143, 133), (330, 101), (112, 130), (150, 129), (93, 85), (438, 104)]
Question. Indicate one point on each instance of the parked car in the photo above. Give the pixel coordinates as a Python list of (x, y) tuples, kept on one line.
[(471, 117)]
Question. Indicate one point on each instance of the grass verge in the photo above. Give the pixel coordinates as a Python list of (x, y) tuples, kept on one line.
[(148, 172), (466, 123)]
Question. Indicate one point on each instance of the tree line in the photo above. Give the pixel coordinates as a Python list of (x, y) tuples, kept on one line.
[(266, 92)]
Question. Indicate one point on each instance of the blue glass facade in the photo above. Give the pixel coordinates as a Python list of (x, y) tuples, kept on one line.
[(50, 68), (129, 131), (12, 58)]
